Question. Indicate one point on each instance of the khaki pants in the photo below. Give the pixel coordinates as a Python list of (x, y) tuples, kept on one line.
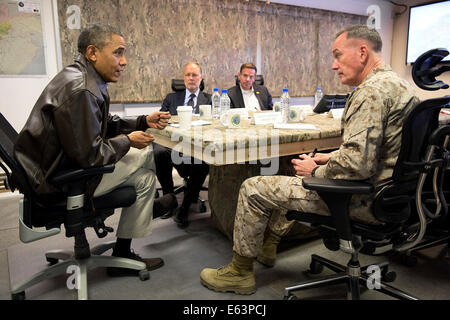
[(137, 169)]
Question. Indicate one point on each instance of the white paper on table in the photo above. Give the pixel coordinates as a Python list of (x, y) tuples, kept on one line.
[(193, 123), (336, 113), (296, 126), (266, 117)]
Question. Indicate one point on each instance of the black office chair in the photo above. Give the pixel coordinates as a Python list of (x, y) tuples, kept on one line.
[(424, 150), (424, 73), (76, 215), (178, 85), (259, 80)]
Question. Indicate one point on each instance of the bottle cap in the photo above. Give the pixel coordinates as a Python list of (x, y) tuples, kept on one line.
[(216, 90), (224, 91), (318, 88), (285, 90)]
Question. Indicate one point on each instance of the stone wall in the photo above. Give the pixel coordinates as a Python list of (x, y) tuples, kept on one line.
[(162, 35)]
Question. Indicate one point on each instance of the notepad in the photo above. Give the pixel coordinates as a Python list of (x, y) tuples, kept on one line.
[(193, 123), (295, 126)]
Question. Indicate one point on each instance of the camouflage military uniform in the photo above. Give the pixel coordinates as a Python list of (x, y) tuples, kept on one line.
[(372, 124)]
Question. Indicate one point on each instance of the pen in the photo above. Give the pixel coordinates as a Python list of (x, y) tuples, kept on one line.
[(314, 153)]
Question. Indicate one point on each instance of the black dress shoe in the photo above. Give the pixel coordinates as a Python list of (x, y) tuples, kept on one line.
[(164, 205), (168, 214), (181, 217), (151, 264)]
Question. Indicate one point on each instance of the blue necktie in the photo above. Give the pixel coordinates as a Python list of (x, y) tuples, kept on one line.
[(191, 103)]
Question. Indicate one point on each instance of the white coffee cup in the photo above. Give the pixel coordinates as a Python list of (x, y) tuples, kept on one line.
[(231, 119), (205, 111), (296, 114), (184, 117)]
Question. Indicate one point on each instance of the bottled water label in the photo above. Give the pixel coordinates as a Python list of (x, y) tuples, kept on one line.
[(285, 106), (216, 104), (224, 102), (318, 96)]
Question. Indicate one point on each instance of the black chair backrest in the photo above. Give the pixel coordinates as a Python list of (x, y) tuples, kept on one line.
[(425, 70), (393, 203), (418, 126), (178, 85), (16, 175), (259, 80)]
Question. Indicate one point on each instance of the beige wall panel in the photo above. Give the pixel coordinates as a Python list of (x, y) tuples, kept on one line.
[(165, 35), (288, 50), (329, 25), (91, 12), (162, 35)]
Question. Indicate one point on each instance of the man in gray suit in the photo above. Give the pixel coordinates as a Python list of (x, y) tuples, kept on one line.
[(195, 174), (247, 94)]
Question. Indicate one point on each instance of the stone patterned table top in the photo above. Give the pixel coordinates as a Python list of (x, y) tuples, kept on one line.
[(218, 137)]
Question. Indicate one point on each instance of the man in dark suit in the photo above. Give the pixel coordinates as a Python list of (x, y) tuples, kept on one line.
[(248, 94), (194, 173)]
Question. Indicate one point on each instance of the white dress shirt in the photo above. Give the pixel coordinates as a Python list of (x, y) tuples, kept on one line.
[(250, 100)]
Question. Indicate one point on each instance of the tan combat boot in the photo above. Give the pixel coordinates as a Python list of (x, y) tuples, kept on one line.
[(236, 277), (268, 253)]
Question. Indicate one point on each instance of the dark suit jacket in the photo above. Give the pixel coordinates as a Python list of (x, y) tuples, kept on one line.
[(261, 92), (175, 99)]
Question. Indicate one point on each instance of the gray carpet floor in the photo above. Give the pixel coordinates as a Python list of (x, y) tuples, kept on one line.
[(187, 251)]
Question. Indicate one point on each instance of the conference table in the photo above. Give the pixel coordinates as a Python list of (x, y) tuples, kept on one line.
[(237, 154)]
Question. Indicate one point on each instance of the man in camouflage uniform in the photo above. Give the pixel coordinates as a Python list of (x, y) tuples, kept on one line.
[(372, 124)]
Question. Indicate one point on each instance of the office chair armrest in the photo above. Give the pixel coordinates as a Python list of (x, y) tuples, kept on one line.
[(337, 186), (337, 194), (68, 176)]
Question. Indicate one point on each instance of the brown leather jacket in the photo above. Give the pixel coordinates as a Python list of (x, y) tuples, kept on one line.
[(70, 127)]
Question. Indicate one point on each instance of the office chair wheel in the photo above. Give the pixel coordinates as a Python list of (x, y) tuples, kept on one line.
[(202, 207), (290, 297), (52, 261), (18, 296), (315, 267), (409, 260), (388, 276), (144, 275)]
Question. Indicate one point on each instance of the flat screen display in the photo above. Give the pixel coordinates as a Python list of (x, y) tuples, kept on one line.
[(429, 28)]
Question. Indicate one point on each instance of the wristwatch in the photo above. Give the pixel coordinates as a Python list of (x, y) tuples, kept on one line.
[(313, 172)]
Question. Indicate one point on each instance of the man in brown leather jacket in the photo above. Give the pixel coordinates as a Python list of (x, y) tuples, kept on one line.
[(70, 127)]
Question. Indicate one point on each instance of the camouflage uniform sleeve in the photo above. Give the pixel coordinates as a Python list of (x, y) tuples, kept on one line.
[(357, 157)]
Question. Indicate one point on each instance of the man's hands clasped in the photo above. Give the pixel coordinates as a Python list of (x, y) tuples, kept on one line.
[(304, 166)]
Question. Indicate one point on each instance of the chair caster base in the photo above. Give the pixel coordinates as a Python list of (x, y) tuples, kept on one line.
[(144, 275), (18, 296), (52, 261), (315, 267)]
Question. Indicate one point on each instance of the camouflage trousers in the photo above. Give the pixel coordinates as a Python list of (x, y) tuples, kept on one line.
[(263, 202)]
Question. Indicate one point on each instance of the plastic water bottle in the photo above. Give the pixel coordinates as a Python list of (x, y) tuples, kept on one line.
[(215, 104), (285, 106), (318, 96), (224, 102)]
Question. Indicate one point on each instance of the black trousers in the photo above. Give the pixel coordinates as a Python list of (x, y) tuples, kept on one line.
[(195, 174)]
